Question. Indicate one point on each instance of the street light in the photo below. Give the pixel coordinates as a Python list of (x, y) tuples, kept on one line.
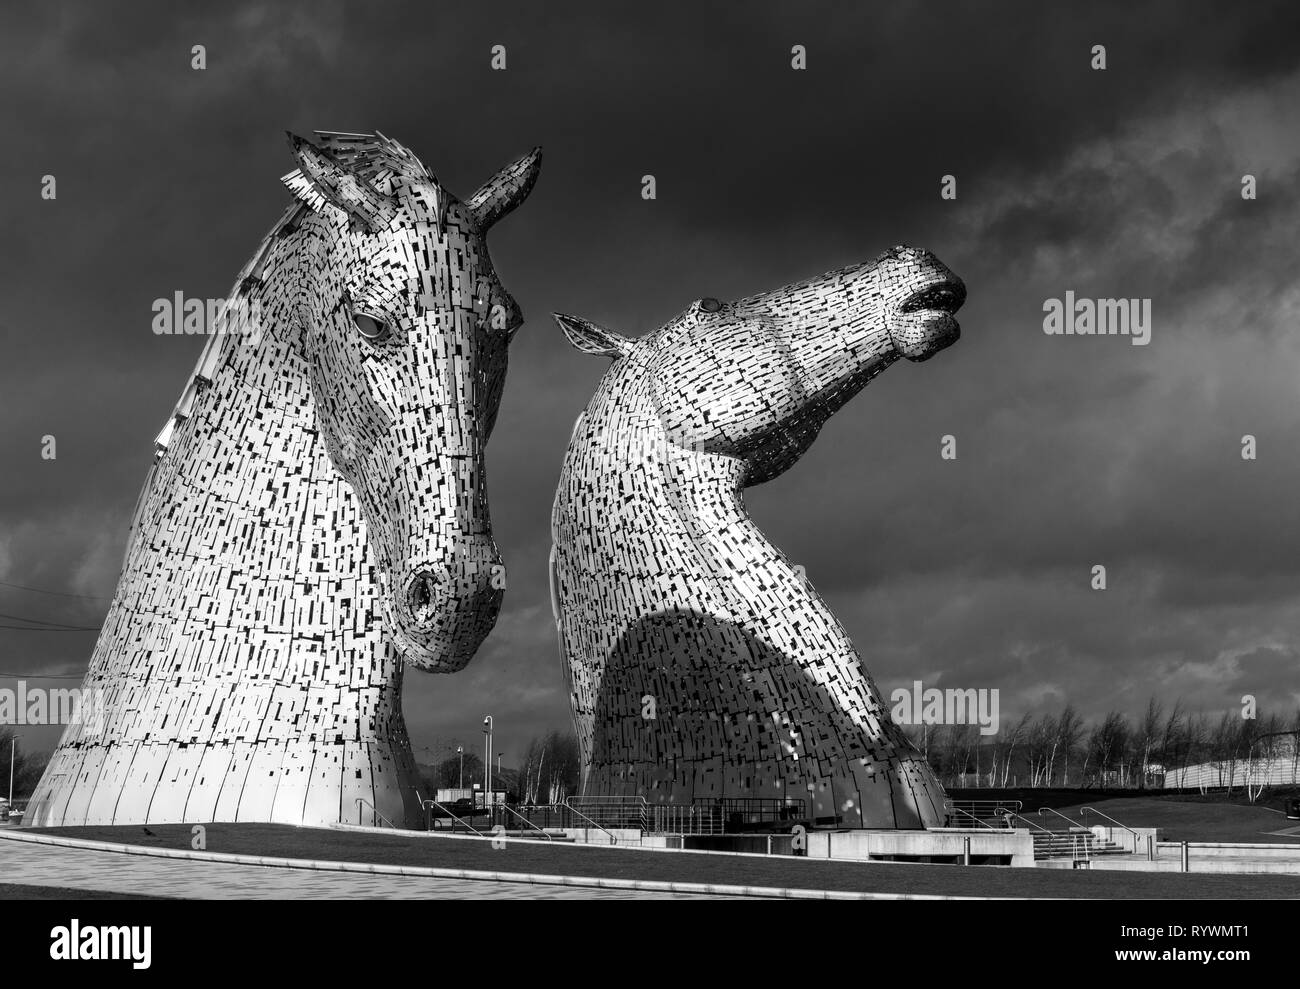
[(13, 744), (487, 759), (460, 751)]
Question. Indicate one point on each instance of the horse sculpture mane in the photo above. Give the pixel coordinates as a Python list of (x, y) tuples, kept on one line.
[(315, 518), (702, 664)]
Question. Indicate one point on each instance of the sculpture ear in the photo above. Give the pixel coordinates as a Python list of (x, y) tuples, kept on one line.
[(505, 190), (319, 172), (593, 339)]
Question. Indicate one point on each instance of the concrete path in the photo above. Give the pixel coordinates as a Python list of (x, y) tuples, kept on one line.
[(31, 864)]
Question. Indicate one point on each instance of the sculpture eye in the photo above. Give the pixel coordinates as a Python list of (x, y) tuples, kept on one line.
[(710, 305), (372, 328)]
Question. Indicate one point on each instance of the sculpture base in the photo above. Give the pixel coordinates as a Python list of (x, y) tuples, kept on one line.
[(299, 783)]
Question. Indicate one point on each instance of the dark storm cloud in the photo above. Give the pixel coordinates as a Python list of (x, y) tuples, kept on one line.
[(972, 573)]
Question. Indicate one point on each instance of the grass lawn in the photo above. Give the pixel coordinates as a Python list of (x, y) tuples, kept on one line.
[(1180, 820), (539, 857)]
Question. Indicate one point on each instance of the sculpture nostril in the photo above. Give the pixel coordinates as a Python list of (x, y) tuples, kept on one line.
[(420, 597)]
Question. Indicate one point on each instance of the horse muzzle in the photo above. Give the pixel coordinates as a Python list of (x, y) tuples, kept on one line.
[(443, 609)]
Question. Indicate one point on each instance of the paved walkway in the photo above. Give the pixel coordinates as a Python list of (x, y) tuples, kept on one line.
[(23, 863)]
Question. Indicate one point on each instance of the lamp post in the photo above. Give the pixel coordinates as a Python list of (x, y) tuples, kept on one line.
[(460, 751), (487, 760), (13, 745)]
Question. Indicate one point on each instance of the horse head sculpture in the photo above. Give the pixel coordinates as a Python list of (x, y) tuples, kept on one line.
[(669, 599), (406, 328), (316, 517)]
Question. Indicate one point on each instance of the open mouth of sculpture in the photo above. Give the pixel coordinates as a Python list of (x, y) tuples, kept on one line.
[(930, 309), (923, 324), (942, 298)]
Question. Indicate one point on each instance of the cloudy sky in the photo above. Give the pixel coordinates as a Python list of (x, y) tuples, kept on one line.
[(1072, 451)]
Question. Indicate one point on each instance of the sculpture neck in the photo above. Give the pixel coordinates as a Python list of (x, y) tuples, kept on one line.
[(243, 512)]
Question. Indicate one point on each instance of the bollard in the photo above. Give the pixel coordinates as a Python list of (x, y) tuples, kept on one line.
[(1186, 858), (965, 855)]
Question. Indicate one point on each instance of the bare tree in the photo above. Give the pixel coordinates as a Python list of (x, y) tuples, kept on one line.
[(1017, 736), (1295, 743), (1042, 736), (1148, 737), (1069, 730)]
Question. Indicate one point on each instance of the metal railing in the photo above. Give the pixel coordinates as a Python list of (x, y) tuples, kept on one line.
[(546, 815), (426, 804), (510, 810), (613, 838), (978, 820), (1070, 821), (1032, 824), (987, 808), (681, 819), (634, 813), (618, 812), (1085, 855), (1094, 810), (375, 812)]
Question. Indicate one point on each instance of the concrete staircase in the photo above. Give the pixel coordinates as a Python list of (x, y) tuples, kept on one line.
[(1074, 843)]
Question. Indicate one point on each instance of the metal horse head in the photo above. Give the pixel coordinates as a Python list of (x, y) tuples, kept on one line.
[(406, 328), (757, 378)]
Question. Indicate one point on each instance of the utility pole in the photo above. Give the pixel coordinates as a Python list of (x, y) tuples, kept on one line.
[(487, 759), (460, 751), (13, 745)]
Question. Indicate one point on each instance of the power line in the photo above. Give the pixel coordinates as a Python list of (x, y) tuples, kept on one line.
[(57, 594), (39, 621), (36, 628), (40, 676)]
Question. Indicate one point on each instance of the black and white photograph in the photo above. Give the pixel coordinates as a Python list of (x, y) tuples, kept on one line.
[(587, 452)]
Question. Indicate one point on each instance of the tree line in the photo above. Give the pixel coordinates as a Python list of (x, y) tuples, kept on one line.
[(548, 773), (1062, 749)]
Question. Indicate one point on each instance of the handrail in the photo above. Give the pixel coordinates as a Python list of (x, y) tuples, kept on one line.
[(641, 808), (1072, 823), (1094, 810), (613, 839), (1136, 836), (521, 817), (433, 803), (1012, 813), (1076, 858), (363, 800), (958, 810), (1014, 804)]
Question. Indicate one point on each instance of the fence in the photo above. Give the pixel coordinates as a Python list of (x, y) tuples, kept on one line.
[(702, 817), (1261, 772)]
